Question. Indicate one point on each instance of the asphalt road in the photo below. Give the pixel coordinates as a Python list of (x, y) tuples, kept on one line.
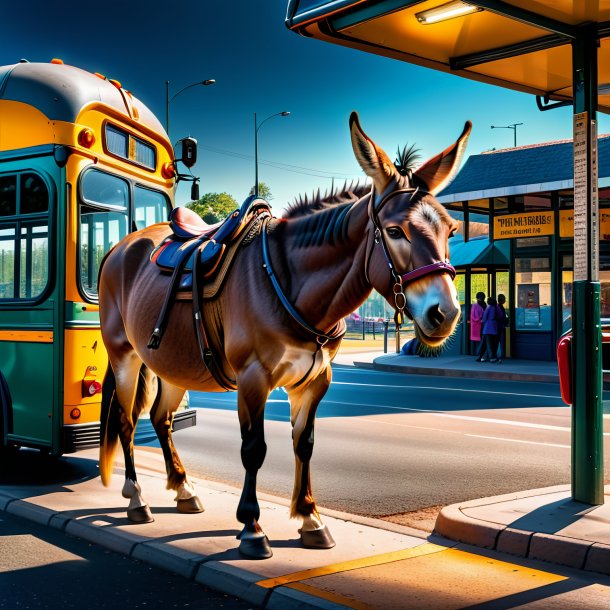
[(389, 443), (41, 567)]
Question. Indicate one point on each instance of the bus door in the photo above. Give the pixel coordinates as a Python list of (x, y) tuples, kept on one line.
[(30, 300)]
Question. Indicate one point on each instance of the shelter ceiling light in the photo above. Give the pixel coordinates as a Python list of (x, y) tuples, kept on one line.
[(457, 8)]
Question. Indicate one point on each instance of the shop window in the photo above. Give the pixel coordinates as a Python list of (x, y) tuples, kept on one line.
[(567, 277), (533, 294), (460, 287)]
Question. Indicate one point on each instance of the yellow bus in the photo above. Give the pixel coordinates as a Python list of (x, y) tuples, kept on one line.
[(82, 163)]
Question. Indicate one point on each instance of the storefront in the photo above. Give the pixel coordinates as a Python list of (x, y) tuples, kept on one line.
[(519, 202)]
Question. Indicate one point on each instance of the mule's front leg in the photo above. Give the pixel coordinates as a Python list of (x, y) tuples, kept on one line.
[(303, 405), (251, 408)]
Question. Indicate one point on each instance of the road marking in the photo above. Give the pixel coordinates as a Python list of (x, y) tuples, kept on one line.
[(426, 548), (389, 423), (336, 598), (426, 387), (504, 422), (515, 440)]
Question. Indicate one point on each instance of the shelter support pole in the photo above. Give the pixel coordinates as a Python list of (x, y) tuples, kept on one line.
[(587, 419)]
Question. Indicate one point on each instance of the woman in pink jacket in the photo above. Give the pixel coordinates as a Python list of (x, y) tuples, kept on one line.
[(476, 317)]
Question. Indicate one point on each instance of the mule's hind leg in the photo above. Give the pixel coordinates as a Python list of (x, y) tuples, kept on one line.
[(304, 402), (251, 398), (145, 384), (162, 415)]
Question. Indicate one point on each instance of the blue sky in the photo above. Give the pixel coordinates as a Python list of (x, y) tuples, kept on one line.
[(261, 67)]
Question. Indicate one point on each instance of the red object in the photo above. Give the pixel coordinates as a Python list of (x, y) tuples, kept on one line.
[(168, 170), (564, 363), (91, 387), (86, 137)]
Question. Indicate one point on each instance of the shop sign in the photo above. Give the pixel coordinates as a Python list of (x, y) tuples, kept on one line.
[(566, 224), (530, 224)]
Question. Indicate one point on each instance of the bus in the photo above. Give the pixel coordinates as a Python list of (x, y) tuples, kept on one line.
[(82, 163)]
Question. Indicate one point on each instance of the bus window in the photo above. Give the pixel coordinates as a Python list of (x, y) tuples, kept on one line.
[(103, 222), (99, 231), (150, 207), (24, 236), (102, 189)]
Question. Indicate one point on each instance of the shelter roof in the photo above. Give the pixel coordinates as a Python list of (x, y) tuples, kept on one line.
[(479, 252), (518, 44), (521, 170)]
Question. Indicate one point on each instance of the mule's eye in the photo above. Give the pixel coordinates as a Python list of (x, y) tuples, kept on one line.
[(394, 233)]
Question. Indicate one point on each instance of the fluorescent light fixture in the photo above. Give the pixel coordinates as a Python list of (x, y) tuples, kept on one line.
[(457, 8)]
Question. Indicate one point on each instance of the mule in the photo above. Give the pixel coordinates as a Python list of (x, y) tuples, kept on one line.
[(278, 322)]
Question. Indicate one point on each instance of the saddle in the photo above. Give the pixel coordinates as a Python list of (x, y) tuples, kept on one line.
[(195, 254)]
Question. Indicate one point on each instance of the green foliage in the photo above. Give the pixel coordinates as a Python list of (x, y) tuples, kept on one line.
[(263, 191), (213, 207)]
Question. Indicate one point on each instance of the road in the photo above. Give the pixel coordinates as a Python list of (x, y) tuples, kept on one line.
[(389, 443), (42, 567)]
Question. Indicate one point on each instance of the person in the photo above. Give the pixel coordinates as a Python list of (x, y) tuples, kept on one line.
[(490, 332), (476, 317), (502, 320)]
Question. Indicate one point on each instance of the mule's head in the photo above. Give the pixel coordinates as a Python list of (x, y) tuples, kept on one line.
[(408, 233)]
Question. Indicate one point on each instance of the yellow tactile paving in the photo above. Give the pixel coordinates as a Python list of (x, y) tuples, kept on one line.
[(355, 564), (449, 579)]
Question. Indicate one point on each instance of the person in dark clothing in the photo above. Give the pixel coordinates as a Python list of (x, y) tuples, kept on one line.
[(490, 332), (502, 320)]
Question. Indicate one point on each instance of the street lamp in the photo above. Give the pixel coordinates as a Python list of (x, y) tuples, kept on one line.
[(257, 126), (512, 126), (208, 81)]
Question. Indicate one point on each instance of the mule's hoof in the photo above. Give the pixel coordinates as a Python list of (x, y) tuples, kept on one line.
[(190, 505), (141, 514), (317, 539), (255, 548)]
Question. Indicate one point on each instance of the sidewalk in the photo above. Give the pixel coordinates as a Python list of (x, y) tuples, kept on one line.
[(375, 564)]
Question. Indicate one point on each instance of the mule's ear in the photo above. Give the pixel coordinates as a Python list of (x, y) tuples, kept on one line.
[(375, 163), (439, 171)]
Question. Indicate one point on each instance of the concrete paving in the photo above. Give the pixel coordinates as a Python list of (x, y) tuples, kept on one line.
[(375, 564)]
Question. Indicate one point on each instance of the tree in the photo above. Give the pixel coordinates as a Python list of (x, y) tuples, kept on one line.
[(263, 191), (213, 207)]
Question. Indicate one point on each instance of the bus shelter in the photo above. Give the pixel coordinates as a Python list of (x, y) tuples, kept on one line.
[(559, 51)]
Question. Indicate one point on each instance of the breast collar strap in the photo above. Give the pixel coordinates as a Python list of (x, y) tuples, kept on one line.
[(321, 337), (376, 204)]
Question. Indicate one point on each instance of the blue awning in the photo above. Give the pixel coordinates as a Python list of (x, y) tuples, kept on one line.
[(479, 252)]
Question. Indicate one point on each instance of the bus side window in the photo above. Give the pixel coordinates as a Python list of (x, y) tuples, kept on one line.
[(24, 236), (150, 207)]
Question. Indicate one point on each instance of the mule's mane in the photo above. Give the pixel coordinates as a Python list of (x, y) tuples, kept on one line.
[(305, 205)]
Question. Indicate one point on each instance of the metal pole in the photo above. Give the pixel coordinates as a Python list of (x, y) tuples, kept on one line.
[(167, 107), (255, 157), (587, 420)]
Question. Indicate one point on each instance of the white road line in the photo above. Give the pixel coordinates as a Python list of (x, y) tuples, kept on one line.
[(389, 423), (425, 387), (515, 440), (504, 422)]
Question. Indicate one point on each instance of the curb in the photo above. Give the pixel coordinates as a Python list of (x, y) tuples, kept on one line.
[(461, 373), (454, 524)]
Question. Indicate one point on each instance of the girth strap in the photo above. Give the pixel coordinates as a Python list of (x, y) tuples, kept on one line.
[(207, 354)]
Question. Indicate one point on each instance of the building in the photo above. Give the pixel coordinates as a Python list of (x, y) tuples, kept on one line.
[(516, 207)]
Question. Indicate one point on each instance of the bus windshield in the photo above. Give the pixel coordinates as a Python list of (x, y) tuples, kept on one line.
[(109, 206)]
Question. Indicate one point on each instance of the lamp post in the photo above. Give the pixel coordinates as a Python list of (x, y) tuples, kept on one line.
[(205, 83), (257, 126), (512, 126)]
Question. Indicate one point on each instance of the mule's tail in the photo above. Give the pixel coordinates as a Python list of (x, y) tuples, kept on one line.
[(110, 425)]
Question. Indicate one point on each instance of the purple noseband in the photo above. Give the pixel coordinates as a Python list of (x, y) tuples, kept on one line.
[(426, 269)]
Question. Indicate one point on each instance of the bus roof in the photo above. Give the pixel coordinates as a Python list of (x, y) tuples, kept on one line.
[(61, 92)]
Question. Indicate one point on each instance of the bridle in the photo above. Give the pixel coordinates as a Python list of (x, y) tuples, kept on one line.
[(401, 280)]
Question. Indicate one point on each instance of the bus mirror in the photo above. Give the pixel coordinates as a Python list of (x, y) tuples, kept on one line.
[(188, 154), (195, 191)]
